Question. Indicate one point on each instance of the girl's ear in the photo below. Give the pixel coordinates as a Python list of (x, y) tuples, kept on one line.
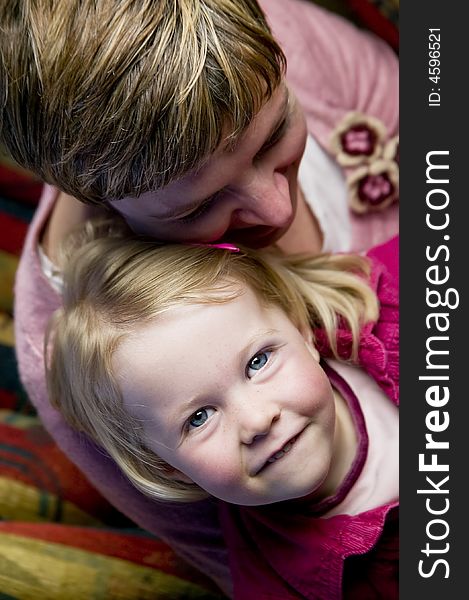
[(172, 473), (307, 334), (313, 350)]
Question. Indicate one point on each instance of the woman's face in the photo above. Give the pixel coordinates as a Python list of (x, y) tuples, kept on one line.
[(246, 194)]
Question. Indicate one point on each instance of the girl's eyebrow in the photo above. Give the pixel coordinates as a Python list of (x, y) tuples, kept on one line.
[(256, 339), (201, 399)]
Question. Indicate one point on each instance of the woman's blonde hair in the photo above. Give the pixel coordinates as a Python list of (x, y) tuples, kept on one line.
[(112, 284), (119, 97)]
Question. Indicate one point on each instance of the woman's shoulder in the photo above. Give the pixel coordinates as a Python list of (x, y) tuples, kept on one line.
[(35, 299), (334, 67)]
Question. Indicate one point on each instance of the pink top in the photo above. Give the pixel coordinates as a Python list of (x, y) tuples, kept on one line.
[(355, 72)]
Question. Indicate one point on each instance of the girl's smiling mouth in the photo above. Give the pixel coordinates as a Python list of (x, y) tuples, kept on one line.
[(279, 453)]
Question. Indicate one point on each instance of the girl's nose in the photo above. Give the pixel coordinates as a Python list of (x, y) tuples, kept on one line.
[(264, 199), (256, 419)]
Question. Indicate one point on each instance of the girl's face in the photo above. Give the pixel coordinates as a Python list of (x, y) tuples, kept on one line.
[(233, 397), (247, 194)]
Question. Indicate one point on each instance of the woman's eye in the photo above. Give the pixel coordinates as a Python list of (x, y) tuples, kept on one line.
[(257, 362), (196, 214), (200, 417)]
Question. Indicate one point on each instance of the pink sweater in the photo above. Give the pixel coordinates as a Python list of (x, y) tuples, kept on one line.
[(333, 68)]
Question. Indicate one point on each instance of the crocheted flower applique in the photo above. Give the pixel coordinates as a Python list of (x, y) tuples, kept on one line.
[(359, 143), (374, 186)]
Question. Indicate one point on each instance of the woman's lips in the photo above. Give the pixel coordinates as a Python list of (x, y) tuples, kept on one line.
[(254, 237)]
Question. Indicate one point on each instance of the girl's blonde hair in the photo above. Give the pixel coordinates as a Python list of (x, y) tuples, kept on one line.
[(114, 283), (119, 97)]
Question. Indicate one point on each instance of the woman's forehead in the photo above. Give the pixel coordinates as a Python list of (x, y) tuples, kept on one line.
[(189, 191)]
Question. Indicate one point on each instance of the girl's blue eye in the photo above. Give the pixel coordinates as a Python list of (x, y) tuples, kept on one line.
[(257, 362), (200, 417)]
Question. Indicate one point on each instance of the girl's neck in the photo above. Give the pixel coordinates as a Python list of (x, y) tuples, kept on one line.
[(345, 448)]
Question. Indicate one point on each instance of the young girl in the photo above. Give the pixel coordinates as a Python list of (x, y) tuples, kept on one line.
[(198, 370)]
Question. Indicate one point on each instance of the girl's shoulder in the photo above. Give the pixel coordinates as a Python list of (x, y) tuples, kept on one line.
[(387, 255), (378, 351), (379, 343)]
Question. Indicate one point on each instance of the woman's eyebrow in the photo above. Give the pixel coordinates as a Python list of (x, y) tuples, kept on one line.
[(285, 109), (282, 116), (230, 145)]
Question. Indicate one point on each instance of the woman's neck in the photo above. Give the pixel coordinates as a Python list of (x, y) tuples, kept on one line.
[(66, 215), (304, 234)]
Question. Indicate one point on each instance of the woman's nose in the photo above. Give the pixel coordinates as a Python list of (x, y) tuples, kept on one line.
[(264, 199)]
